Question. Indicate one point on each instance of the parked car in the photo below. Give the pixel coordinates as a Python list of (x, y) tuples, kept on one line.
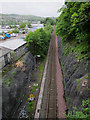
[(20, 32), (22, 37), (13, 35), (2, 37), (7, 35)]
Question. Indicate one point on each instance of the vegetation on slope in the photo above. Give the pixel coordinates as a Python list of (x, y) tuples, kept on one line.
[(13, 19), (83, 112), (73, 27)]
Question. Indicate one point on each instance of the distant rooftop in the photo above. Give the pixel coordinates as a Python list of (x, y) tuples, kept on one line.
[(13, 44), (37, 25), (5, 30)]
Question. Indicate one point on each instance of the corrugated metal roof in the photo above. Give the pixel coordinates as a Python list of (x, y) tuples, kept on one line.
[(13, 44)]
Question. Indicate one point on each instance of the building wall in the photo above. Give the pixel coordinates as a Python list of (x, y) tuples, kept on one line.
[(18, 52), (4, 60), (12, 56)]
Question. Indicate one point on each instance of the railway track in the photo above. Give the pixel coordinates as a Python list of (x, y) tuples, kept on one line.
[(47, 108)]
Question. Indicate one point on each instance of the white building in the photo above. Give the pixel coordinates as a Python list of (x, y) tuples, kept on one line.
[(7, 27)]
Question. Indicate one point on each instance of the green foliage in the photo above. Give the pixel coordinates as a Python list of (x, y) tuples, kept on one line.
[(7, 82), (14, 26), (11, 19), (13, 73), (84, 112), (22, 25), (12, 53), (9, 79), (73, 26), (34, 88), (66, 49), (38, 41), (48, 28), (29, 25), (48, 20), (30, 106), (6, 69), (15, 30), (23, 61)]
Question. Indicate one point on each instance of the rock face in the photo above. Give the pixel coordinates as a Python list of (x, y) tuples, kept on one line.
[(14, 83), (75, 77)]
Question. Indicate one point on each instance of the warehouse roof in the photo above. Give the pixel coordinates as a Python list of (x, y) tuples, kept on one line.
[(13, 44)]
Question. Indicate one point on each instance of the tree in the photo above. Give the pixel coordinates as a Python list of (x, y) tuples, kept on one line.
[(73, 25), (48, 20), (29, 25), (22, 25), (73, 21), (38, 41), (15, 30)]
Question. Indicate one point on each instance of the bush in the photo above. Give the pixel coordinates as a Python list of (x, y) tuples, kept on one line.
[(15, 30), (83, 112), (22, 25)]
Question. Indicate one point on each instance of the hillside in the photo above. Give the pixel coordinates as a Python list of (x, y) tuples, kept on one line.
[(9, 19)]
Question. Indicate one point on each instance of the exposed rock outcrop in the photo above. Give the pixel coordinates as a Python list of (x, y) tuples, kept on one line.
[(75, 77), (14, 83)]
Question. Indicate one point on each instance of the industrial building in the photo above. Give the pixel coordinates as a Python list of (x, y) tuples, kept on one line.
[(11, 50)]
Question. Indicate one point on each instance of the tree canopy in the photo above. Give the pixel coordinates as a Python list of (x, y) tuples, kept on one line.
[(22, 25), (48, 20), (38, 40), (73, 24)]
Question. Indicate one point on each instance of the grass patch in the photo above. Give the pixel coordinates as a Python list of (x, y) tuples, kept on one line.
[(34, 89), (41, 67), (30, 106)]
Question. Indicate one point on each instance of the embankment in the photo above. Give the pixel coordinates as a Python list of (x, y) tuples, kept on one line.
[(14, 84), (75, 76)]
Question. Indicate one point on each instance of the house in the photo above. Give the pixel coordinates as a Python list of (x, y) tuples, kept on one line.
[(17, 26), (7, 27)]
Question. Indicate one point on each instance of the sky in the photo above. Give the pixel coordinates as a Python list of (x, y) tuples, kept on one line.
[(43, 8)]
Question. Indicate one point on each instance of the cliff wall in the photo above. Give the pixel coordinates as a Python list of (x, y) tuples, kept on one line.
[(75, 76)]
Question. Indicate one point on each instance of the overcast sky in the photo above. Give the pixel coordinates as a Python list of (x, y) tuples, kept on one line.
[(44, 8)]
